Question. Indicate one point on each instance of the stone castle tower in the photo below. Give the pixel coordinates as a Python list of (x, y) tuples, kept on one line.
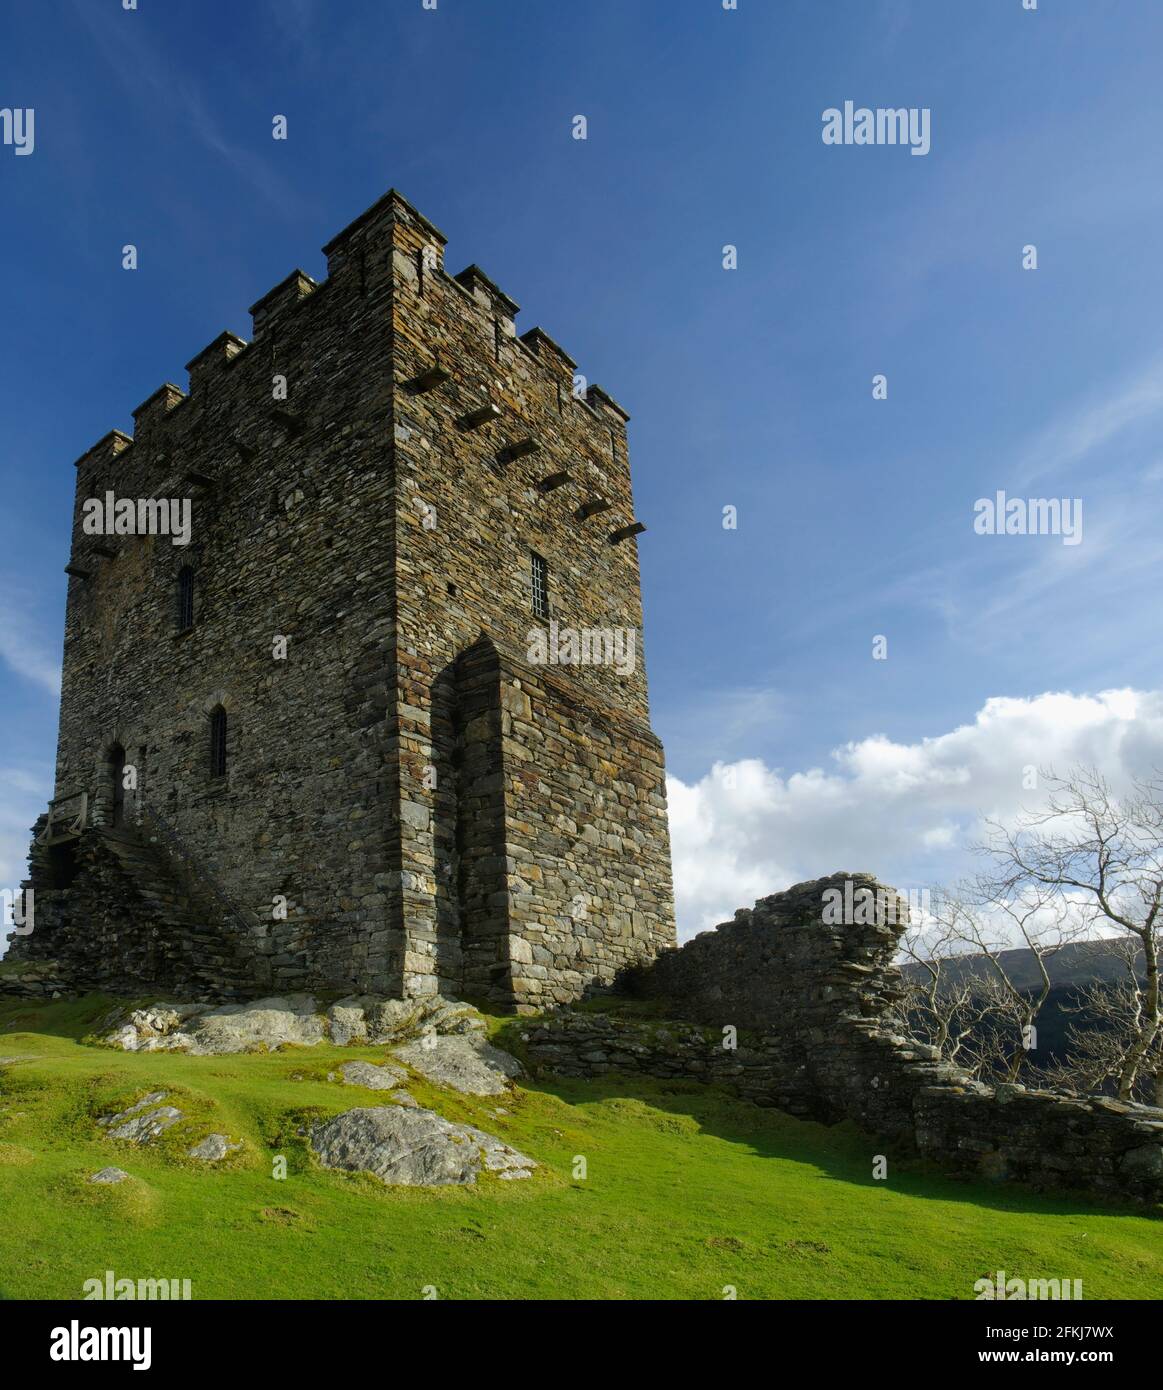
[(382, 723)]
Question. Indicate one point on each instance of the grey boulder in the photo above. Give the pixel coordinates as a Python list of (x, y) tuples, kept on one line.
[(413, 1148), (385, 1078), (140, 1123), (110, 1175), (469, 1065), (213, 1148)]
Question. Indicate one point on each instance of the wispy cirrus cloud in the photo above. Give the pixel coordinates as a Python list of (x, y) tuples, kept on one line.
[(23, 647), (1068, 443), (147, 76)]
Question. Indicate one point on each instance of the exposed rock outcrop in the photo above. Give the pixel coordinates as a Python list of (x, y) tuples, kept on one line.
[(293, 1020), (373, 1078), (468, 1065), (109, 1175), (414, 1148), (213, 1149), (142, 1121)]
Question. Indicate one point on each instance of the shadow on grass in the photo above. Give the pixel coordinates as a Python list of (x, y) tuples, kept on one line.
[(73, 1018), (842, 1153)]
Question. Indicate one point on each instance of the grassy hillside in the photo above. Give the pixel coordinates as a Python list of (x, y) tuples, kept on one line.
[(687, 1191)]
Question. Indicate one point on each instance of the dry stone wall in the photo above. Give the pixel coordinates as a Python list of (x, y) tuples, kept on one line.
[(799, 1012)]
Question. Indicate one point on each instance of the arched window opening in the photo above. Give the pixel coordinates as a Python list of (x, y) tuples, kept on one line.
[(117, 773), (185, 598), (218, 742)]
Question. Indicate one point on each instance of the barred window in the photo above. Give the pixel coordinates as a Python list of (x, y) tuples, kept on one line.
[(218, 742), (185, 598), (539, 578)]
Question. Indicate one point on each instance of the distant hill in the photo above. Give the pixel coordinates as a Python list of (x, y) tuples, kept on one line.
[(1077, 964), (1070, 969)]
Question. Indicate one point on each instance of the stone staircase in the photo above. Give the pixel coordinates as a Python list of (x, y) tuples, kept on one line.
[(136, 915), (200, 944)]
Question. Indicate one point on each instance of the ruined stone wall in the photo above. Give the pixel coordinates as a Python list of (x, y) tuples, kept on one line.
[(103, 930), (815, 1007), (590, 1045)]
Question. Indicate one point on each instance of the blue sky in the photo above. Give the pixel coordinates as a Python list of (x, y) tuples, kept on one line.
[(750, 388)]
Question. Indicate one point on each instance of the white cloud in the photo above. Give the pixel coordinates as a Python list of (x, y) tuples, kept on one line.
[(904, 811)]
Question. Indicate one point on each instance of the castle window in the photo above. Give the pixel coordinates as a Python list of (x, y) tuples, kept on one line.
[(117, 778), (185, 598), (539, 580), (218, 742)]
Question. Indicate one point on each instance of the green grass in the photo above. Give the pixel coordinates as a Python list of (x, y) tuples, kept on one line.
[(688, 1190)]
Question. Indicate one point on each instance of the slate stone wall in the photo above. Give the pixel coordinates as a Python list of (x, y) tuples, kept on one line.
[(585, 828), (372, 779), (562, 752), (123, 923)]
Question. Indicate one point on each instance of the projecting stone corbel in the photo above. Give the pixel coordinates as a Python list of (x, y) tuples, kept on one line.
[(623, 533), (196, 479), (427, 380), (554, 480), (78, 571), (518, 449), (592, 508), (480, 416)]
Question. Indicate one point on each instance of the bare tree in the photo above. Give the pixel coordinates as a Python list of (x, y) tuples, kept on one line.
[(1098, 859), (963, 996), (947, 1006), (1096, 1048)]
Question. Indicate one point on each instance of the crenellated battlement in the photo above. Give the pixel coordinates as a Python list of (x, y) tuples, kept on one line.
[(155, 407), (488, 295), (286, 295), (207, 365), (106, 448), (389, 243), (542, 346)]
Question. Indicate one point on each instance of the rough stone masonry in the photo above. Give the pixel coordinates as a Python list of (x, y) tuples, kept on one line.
[(790, 1010), (310, 747)]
